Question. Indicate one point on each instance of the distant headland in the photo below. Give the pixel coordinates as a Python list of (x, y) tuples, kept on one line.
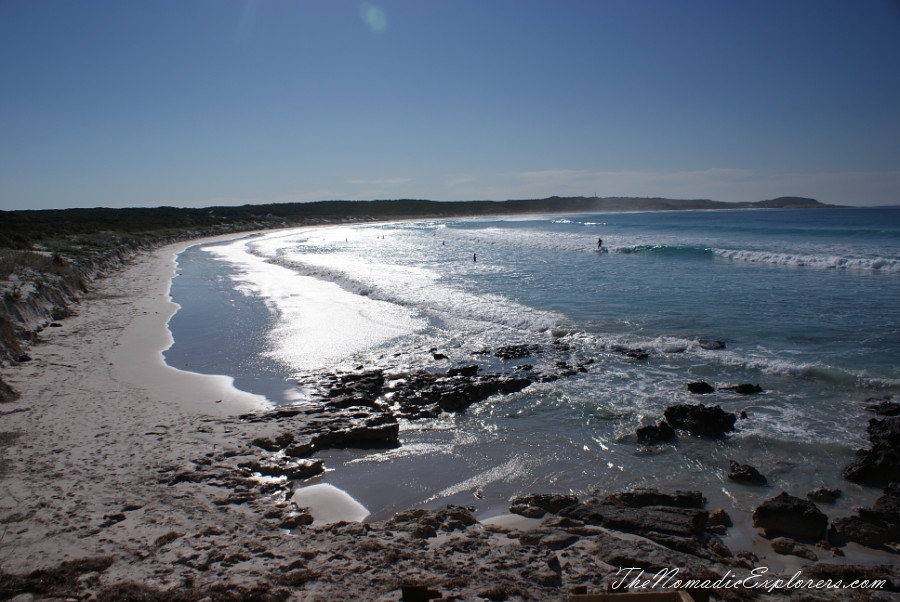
[(25, 228)]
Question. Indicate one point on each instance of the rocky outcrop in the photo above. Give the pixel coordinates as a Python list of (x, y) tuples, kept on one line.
[(786, 515), (885, 406), (514, 352), (301, 431), (743, 389), (711, 344), (673, 521), (787, 546), (823, 495), (655, 433), (639, 498), (423, 524), (700, 388), (427, 394), (701, 420), (536, 506), (744, 473), (874, 527), (880, 464)]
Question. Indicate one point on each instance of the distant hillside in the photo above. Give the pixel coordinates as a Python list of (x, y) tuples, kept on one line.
[(71, 231)]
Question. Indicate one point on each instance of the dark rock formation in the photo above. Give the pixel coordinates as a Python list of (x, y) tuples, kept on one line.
[(719, 518), (821, 494), (743, 389), (678, 527), (428, 394), (467, 371), (423, 524), (310, 429), (354, 389), (790, 516), (880, 464), (786, 545), (700, 388), (680, 522), (655, 433), (700, 420), (884, 406), (711, 344), (515, 352), (744, 473), (874, 527), (636, 354), (536, 506), (639, 498)]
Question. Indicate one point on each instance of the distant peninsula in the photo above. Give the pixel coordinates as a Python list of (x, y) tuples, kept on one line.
[(68, 230)]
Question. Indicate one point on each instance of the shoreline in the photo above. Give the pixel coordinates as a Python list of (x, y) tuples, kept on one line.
[(121, 457)]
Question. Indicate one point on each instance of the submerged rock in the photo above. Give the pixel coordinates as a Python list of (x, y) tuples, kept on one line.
[(821, 494), (700, 388), (744, 473), (711, 344), (700, 419), (655, 433), (743, 389), (515, 352), (790, 516), (884, 406), (443, 392)]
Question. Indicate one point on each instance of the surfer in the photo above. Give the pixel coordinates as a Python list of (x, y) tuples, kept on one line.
[(599, 243)]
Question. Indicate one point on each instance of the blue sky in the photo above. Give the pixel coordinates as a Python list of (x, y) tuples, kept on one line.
[(214, 102)]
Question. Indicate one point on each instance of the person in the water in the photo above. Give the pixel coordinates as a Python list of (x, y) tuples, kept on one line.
[(599, 243)]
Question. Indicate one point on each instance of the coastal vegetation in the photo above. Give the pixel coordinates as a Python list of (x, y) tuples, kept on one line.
[(80, 232)]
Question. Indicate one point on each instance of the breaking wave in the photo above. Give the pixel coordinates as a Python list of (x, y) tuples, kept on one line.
[(877, 264)]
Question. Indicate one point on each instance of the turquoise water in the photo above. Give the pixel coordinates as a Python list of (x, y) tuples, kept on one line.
[(805, 302)]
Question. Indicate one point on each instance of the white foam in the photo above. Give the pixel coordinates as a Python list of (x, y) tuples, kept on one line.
[(319, 324), (829, 261), (345, 256)]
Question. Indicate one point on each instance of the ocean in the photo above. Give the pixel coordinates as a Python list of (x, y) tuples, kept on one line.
[(805, 302)]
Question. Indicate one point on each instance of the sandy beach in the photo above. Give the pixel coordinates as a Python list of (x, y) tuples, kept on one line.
[(122, 470)]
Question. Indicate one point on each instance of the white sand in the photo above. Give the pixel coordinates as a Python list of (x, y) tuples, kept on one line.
[(106, 416)]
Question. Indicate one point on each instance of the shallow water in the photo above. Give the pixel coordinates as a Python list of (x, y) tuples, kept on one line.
[(804, 300)]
